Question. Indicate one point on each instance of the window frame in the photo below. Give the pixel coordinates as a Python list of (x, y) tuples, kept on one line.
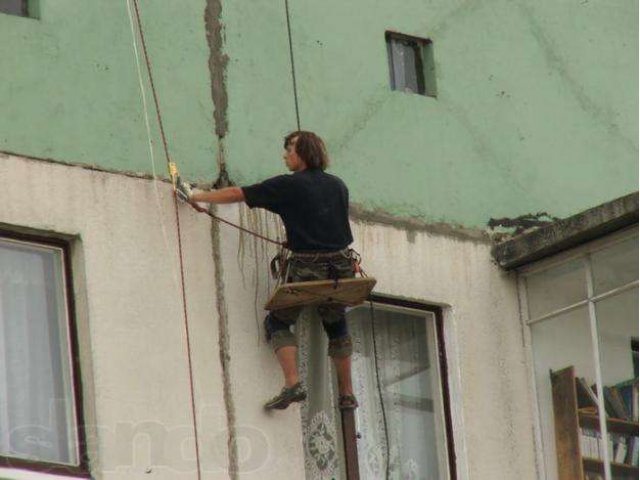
[(348, 423), (426, 86), (24, 10), (81, 470), (581, 252)]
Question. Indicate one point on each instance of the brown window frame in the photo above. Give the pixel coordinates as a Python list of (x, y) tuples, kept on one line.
[(24, 9), (82, 469), (348, 416), (425, 85)]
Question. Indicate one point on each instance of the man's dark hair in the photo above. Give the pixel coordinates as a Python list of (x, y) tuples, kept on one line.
[(310, 148)]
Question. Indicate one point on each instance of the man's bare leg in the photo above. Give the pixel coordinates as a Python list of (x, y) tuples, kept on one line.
[(288, 357), (293, 390)]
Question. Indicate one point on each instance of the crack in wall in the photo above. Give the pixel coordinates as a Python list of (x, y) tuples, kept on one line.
[(224, 348), (217, 71), (217, 68), (217, 65)]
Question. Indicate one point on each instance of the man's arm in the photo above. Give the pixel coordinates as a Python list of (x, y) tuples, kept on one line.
[(224, 195)]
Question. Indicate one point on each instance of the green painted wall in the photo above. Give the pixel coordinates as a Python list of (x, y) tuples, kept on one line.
[(69, 89), (536, 109)]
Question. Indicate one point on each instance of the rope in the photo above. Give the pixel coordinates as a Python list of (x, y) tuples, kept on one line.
[(293, 66), (151, 149), (243, 229), (175, 202), (384, 413)]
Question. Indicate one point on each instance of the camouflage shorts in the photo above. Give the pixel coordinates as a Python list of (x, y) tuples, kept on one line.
[(305, 269)]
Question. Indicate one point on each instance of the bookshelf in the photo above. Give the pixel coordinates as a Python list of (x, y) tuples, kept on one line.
[(575, 412)]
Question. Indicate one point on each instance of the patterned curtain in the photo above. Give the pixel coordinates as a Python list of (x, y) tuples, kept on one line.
[(408, 432), (322, 435)]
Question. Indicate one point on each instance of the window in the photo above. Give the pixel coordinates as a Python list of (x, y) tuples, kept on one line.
[(39, 406), (582, 314), (15, 7), (396, 375), (403, 422), (411, 64)]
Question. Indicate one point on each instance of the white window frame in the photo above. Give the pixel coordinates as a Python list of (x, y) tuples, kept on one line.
[(584, 252), (435, 314)]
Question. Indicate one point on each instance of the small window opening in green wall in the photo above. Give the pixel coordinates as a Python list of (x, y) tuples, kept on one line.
[(411, 65), (21, 8)]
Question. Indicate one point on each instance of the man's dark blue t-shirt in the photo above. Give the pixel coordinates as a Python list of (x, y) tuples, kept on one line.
[(313, 205)]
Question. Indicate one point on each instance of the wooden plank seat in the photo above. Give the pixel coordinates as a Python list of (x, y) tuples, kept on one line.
[(346, 291)]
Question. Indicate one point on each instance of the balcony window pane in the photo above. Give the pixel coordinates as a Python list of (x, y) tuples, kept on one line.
[(556, 287), (615, 266)]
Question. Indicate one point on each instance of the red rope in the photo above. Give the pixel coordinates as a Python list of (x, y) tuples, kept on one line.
[(180, 252)]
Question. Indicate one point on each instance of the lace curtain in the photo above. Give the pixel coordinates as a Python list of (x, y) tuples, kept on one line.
[(410, 384), (36, 407), (322, 435)]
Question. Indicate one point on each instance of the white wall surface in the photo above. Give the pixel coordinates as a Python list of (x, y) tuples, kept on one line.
[(132, 331), (130, 315)]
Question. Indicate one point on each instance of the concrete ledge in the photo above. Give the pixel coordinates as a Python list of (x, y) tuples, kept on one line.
[(567, 233)]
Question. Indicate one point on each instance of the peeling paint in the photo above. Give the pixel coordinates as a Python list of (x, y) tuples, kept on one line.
[(523, 223), (568, 233), (224, 348)]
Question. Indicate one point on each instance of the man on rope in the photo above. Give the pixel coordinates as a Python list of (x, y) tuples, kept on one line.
[(314, 207)]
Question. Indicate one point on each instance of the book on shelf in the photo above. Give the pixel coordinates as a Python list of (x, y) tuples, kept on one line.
[(620, 400), (632, 452), (614, 405), (619, 448), (586, 396), (622, 449), (621, 453), (628, 392)]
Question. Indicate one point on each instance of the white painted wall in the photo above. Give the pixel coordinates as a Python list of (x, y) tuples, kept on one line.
[(130, 315), (132, 331)]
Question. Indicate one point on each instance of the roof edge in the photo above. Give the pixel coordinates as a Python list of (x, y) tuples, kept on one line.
[(567, 233)]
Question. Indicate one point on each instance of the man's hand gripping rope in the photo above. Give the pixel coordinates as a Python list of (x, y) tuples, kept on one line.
[(182, 189), (184, 192)]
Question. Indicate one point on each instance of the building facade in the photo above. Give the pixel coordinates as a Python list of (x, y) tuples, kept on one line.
[(131, 332)]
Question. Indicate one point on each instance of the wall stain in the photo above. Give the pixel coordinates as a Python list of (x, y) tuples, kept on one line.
[(412, 226)]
